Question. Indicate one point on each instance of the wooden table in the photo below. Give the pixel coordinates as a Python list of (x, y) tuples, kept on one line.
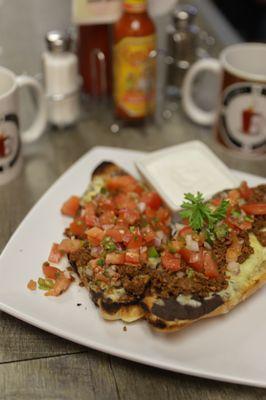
[(38, 365)]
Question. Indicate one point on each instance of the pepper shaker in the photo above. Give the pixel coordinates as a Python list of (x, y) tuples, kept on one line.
[(182, 46), (61, 80)]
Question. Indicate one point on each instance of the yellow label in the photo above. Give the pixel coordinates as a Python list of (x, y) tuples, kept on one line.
[(134, 75), (135, 5)]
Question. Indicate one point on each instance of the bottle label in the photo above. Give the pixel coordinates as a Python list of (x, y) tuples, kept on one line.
[(134, 75), (135, 6)]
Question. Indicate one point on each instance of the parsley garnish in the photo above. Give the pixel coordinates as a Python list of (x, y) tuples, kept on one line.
[(200, 215)]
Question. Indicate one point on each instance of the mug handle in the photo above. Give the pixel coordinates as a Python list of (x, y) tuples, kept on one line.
[(196, 113), (38, 125)]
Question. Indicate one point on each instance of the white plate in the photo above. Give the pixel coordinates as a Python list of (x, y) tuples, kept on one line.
[(228, 348)]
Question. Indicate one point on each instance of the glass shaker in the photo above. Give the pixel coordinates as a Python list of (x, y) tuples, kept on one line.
[(182, 47), (61, 80)]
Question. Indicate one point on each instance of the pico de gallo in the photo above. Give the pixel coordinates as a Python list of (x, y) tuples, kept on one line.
[(121, 232)]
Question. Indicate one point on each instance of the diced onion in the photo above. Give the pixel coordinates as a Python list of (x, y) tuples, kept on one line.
[(96, 251), (161, 236), (141, 206), (143, 249), (157, 242), (207, 246), (107, 226), (195, 257), (176, 228), (191, 244), (233, 267)]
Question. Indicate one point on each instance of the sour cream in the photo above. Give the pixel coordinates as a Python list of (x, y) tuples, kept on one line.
[(190, 167)]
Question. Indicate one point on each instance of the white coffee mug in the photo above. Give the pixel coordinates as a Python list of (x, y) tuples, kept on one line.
[(240, 119), (10, 135)]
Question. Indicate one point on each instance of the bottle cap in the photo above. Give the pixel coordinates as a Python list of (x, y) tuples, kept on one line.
[(57, 41)]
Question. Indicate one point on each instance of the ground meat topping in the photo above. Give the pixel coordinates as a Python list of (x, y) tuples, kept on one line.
[(81, 257), (246, 250), (134, 280), (168, 284), (258, 226), (258, 194)]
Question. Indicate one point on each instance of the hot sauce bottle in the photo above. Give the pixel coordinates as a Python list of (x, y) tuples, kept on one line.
[(134, 66)]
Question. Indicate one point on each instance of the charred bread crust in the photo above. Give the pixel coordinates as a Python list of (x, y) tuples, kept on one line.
[(165, 326), (126, 313), (107, 169), (170, 309)]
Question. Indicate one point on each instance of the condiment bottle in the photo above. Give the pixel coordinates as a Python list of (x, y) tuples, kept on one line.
[(133, 62), (61, 81)]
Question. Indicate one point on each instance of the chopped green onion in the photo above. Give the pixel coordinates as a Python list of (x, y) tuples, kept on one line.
[(45, 284), (153, 253), (100, 262)]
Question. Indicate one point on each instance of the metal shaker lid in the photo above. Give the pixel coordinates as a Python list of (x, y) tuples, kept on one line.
[(184, 14), (57, 41)]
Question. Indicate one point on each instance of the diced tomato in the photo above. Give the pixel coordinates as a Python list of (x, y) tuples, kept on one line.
[(234, 250), (132, 257), (107, 218), (70, 245), (210, 266), (78, 227), (216, 201), (95, 235), (123, 183), (89, 215), (136, 240), (124, 200), (32, 285), (193, 258), (115, 258), (105, 204), (148, 234), (245, 190), (71, 206), (187, 230), (171, 261), (49, 271), (129, 216), (143, 256), (162, 214), (254, 208), (152, 200), (116, 233), (91, 220), (233, 196), (55, 254), (237, 223), (150, 213)]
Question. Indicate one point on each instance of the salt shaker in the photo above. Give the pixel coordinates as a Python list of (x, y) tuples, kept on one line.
[(61, 80)]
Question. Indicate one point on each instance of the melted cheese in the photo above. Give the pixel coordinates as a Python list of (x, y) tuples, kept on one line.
[(250, 270), (94, 189)]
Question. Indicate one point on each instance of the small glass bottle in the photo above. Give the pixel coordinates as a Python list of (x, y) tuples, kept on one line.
[(134, 66), (61, 80)]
